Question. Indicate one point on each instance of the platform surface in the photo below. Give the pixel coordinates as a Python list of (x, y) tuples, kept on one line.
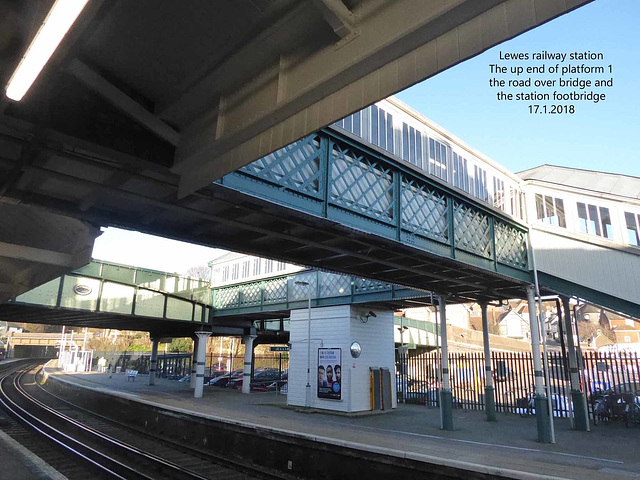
[(18, 463), (610, 451)]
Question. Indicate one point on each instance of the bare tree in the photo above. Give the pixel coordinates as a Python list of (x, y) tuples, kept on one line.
[(201, 272)]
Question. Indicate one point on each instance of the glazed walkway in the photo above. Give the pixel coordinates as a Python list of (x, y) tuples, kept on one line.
[(410, 431)]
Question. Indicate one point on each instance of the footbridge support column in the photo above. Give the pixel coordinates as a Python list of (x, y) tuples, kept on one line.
[(540, 397), (248, 362), (577, 397), (201, 354), (446, 397), (194, 361), (153, 361), (489, 392)]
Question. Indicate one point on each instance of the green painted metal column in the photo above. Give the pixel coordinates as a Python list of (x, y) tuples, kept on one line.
[(446, 397), (489, 391), (194, 362), (153, 361), (248, 362), (577, 397), (540, 397), (200, 361)]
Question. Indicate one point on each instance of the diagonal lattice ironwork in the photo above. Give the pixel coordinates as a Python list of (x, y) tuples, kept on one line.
[(275, 290), (424, 211), (511, 245), (301, 292), (334, 285), (360, 184), (251, 294), (471, 230), (226, 297), (365, 285), (296, 166)]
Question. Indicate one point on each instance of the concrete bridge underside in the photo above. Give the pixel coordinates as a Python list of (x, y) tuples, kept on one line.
[(130, 123)]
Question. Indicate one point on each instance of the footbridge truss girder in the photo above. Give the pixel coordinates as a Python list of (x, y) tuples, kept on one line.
[(93, 301), (468, 250)]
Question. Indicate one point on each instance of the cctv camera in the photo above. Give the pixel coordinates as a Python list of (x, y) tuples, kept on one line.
[(371, 314)]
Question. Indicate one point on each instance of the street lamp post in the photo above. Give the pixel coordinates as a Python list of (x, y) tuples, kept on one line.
[(308, 398)]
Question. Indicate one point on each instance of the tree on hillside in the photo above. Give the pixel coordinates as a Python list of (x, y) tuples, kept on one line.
[(201, 272), (180, 345)]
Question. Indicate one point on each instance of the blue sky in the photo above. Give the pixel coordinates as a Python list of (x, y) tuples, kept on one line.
[(600, 136)]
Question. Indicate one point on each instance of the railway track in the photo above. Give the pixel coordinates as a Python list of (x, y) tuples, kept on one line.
[(107, 449)]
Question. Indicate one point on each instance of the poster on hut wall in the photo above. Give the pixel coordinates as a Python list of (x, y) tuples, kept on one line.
[(330, 373)]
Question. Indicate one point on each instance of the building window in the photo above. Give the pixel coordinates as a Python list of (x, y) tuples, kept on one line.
[(438, 159), (225, 273), (514, 200), (595, 220), (235, 270), (245, 268), (629, 323), (268, 266), (480, 183), (460, 172), (381, 128), (633, 228), (412, 145), (498, 193), (550, 210), (257, 263), (627, 339), (352, 123)]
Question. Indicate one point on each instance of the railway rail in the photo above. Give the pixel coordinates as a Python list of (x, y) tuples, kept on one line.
[(110, 450)]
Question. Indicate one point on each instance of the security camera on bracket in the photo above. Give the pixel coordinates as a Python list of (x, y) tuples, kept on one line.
[(365, 318)]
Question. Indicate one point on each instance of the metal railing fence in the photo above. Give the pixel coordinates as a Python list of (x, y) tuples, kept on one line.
[(418, 378)]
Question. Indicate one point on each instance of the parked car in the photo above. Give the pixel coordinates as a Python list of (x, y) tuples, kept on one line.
[(235, 383), (266, 374), (224, 379)]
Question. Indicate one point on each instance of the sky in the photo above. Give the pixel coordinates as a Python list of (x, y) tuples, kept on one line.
[(599, 136), (147, 251)]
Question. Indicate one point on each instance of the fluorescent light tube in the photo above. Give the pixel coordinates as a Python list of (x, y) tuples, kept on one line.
[(58, 22)]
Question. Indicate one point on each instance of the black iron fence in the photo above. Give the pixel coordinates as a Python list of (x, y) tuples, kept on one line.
[(419, 379), (215, 363), (176, 365)]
